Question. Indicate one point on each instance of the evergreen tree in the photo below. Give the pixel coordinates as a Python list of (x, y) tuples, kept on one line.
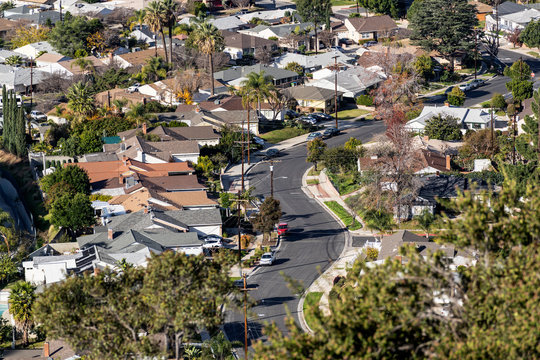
[(14, 132), (520, 84), (316, 11)]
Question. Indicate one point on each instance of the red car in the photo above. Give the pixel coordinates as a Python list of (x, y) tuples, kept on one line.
[(282, 229)]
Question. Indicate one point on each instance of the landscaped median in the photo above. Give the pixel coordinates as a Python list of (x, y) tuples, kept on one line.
[(351, 223), (311, 301)]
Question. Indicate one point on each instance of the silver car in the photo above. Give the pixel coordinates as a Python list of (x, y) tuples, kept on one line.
[(267, 258)]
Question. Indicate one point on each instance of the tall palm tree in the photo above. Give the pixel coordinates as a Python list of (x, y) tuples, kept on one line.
[(170, 8), (21, 300), (154, 70), (154, 19), (260, 85), (208, 40), (80, 99)]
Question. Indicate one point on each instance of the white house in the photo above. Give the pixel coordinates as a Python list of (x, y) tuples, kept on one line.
[(472, 119), (313, 62), (351, 82), (33, 50), (511, 16), (370, 28)]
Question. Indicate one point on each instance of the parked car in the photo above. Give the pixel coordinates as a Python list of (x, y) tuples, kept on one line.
[(314, 135), (211, 242), (134, 87), (345, 41), (309, 119), (292, 113), (270, 153), (257, 140), (466, 87), (267, 258), (477, 83), (339, 48), (322, 116), (370, 43), (282, 228), (329, 132), (38, 115)]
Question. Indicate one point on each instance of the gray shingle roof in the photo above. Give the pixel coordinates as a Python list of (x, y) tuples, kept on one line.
[(311, 93), (243, 71)]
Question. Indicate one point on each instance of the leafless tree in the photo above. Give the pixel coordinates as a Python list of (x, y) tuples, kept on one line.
[(241, 3), (277, 101), (219, 59), (263, 55), (189, 79), (327, 38)]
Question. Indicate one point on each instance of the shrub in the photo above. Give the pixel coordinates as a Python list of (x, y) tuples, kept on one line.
[(498, 102), (456, 97), (371, 254), (274, 38), (355, 15), (246, 240), (364, 100), (449, 76), (413, 114)]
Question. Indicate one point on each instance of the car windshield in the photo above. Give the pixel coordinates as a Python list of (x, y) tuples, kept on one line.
[(282, 226), (266, 256)]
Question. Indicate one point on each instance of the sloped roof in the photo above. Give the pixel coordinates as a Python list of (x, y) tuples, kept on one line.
[(243, 41), (431, 159), (172, 183), (509, 7), (310, 61), (72, 67), (187, 198), (373, 23), (481, 7), (242, 71), (390, 245), (140, 57), (311, 93)]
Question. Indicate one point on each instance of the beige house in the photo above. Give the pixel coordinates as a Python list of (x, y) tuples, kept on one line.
[(311, 98), (370, 28)]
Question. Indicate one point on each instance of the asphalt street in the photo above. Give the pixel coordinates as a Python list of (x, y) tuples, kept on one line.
[(315, 239), (496, 85)]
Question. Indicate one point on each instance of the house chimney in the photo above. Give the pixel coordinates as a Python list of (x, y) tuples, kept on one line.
[(144, 128), (448, 163), (146, 209), (124, 159), (110, 234), (46, 351)]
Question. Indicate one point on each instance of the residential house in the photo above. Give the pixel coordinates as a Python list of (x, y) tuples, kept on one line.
[(91, 10), (144, 35), (21, 80), (472, 119), (203, 135), (280, 77), (352, 82), (481, 9), (109, 96), (238, 45), (49, 62), (33, 16), (137, 58), (312, 63), (270, 16), (390, 249), (228, 23), (282, 32), (511, 16), (224, 102), (70, 68), (131, 237), (34, 50), (311, 98), (163, 91), (370, 28), (5, 54), (238, 118), (425, 162), (8, 26)]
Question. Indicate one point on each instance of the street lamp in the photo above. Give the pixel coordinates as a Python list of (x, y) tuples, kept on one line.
[(336, 70)]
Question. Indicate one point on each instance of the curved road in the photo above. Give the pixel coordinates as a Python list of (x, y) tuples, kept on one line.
[(315, 239)]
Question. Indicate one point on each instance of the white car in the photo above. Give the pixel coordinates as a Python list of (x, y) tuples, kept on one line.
[(257, 140), (212, 242), (134, 87), (38, 115), (466, 87), (267, 258)]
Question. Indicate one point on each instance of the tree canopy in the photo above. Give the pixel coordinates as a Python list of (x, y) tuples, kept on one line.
[(520, 84), (445, 26), (268, 216), (531, 34), (443, 128), (71, 35)]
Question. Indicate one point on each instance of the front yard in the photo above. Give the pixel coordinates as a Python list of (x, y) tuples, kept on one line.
[(351, 113), (279, 135), (352, 224)]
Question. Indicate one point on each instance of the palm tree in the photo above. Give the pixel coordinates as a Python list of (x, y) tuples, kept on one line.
[(136, 113), (21, 300), (137, 18), (154, 70), (86, 65), (260, 85), (13, 60), (208, 40), (219, 348), (119, 104), (378, 220), (170, 9), (80, 99), (154, 19)]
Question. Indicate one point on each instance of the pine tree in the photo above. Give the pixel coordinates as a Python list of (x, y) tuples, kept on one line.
[(14, 132)]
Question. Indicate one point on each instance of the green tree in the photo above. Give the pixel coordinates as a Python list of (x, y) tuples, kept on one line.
[(8, 269), (340, 160), (170, 274), (424, 66), (520, 84), (71, 34), (316, 148), (72, 176), (21, 303), (413, 9), (73, 212), (443, 127), (378, 220), (425, 221), (170, 9), (13, 60), (268, 216), (296, 67), (155, 18), (204, 165), (14, 125), (219, 348), (80, 99), (456, 97), (445, 26), (531, 34), (259, 86), (316, 11), (535, 105), (354, 144), (208, 40), (498, 102)]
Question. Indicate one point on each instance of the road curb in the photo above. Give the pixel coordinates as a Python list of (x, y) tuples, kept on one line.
[(346, 247)]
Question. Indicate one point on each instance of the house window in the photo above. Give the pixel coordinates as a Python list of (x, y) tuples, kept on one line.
[(366, 35), (476, 126)]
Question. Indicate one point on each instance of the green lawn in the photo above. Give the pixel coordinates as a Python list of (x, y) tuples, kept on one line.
[(343, 2), (312, 299), (312, 181), (344, 183), (533, 53), (352, 224), (276, 136), (351, 114), (313, 172)]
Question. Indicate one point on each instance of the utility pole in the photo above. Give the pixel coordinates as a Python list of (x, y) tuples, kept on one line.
[(248, 130), (514, 141), (492, 135), (336, 69), (497, 24), (475, 51), (31, 82), (272, 180), (239, 233)]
